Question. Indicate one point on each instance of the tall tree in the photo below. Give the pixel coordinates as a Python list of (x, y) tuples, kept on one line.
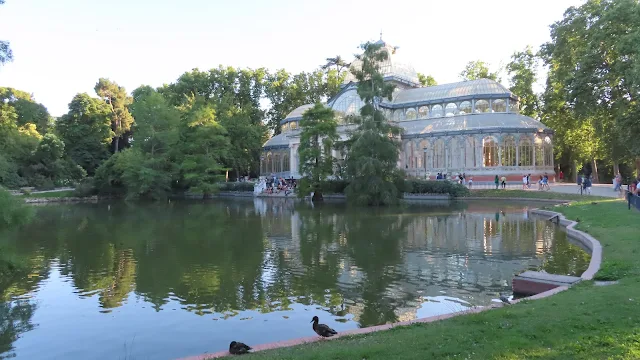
[(318, 136), (593, 53), (373, 148), (6, 55), (86, 131), (427, 80), (27, 109), (477, 69), (338, 62), (522, 70), (118, 100)]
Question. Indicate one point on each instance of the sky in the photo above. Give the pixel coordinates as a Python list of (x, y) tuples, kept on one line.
[(63, 47)]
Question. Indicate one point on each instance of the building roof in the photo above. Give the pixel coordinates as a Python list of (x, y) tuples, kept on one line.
[(453, 91), (296, 114), (473, 123), (279, 141)]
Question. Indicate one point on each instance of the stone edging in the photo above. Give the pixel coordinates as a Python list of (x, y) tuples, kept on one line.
[(60, 200), (594, 265)]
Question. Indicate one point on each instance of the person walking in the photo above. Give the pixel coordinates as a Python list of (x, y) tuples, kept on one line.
[(503, 181), (561, 176), (496, 181), (525, 181)]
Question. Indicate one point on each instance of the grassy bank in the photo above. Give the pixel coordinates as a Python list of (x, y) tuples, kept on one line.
[(524, 194), (585, 322)]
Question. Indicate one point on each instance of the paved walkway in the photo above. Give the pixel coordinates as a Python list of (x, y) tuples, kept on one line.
[(605, 190)]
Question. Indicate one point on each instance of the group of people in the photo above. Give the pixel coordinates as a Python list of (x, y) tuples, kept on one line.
[(276, 185), (585, 182)]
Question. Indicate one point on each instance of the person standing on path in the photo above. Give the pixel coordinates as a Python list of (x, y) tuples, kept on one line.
[(525, 181), (504, 182), (561, 176), (496, 180)]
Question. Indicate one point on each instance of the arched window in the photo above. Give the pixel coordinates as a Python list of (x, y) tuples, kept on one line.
[(508, 151), (499, 105), (351, 109), (482, 106), (539, 149), (438, 154), (408, 147), (453, 160), (489, 152), (411, 114), (451, 109), (284, 128), (276, 163), (436, 111), (465, 107), (294, 125), (548, 152), (526, 152), (470, 152), (285, 163), (398, 115), (422, 154), (269, 163), (423, 112), (513, 106)]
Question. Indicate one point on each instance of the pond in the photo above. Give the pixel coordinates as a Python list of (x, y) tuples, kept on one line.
[(163, 281)]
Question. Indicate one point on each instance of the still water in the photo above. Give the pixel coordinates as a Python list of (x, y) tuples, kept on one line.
[(162, 281)]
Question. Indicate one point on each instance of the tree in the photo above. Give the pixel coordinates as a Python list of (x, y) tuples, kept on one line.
[(373, 149), (522, 70), (427, 80), (27, 109), (86, 131), (202, 150), (475, 70), (318, 135), (6, 55), (118, 101), (339, 63), (591, 54)]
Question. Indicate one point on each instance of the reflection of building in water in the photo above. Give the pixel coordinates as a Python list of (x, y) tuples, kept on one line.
[(466, 255)]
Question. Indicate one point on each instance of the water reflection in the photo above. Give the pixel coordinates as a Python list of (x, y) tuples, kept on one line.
[(246, 264)]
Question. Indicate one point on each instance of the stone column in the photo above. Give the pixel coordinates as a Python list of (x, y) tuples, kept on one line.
[(517, 140)]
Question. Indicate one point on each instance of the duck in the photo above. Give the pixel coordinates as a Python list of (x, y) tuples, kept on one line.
[(505, 299), (322, 329), (238, 348)]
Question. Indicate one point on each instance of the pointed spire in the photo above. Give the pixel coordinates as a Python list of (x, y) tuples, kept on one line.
[(380, 34)]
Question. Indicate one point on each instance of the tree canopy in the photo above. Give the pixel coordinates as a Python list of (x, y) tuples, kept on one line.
[(477, 69)]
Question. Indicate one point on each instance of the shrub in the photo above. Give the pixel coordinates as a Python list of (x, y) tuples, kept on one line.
[(335, 186), (237, 186), (13, 210), (85, 188), (454, 189)]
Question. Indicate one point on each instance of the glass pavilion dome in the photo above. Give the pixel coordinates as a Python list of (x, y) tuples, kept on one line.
[(393, 67)]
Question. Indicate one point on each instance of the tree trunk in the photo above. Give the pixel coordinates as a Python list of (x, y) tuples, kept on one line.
[(574, 171), (116, 143), (638, 166), (317, 196), (616, 168), (594, 168), (237, 175)]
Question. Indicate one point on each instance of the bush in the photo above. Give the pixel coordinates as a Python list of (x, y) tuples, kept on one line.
[(237, 186), (454, 189), (85, 188), (13, 210), (335, 186)]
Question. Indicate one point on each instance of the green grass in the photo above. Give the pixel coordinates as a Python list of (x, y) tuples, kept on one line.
[(585, 322), (525, 194), (56, 194)]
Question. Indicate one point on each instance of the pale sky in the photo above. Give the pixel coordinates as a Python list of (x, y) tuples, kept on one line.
[(62, 47)]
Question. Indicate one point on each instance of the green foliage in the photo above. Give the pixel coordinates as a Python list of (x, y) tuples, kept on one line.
[(86, 131), (317, 138), (475, 70), (117, 100), (373, 148), (414, 186), (427, 80), (26, 109), (6, 55), (85, 188), (522, 70), (236, 186), (13, 211)]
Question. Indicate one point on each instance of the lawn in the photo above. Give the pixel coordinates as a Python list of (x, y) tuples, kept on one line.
[(55, 194), (585, 322), (525, 194)]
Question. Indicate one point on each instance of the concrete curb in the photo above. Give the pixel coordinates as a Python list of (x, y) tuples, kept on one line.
[(594, 265), (551, 201)]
